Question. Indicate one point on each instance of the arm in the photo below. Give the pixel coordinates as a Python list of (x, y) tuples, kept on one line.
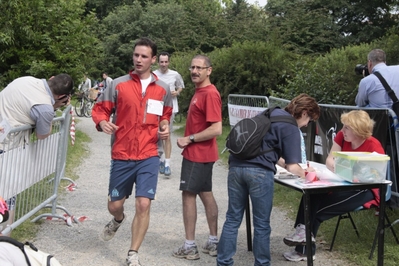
[(103, 109), (176, 92), (296, 169), (43, 115), (361, 99), (214, 130), (330, 159), (164, 130)]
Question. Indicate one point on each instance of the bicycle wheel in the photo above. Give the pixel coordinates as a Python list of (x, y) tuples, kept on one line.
[(79, 108), (88, 108)]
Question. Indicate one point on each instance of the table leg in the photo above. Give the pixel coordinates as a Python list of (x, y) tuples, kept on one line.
[(381, 226), (308, 229)]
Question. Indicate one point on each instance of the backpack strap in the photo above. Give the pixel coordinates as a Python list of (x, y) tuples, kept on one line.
[(390, 92), (279, 118), (16, 243), (284, 118)]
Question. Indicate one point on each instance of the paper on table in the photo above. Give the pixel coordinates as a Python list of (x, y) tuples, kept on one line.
[(327, 175), (5, 128), (319, 183)]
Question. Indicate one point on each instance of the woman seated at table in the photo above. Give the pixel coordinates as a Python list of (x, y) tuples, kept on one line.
[(354, 136)]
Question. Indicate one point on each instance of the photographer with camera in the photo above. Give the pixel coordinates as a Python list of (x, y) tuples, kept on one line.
[(371, 91)]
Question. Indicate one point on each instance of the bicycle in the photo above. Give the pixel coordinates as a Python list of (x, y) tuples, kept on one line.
[(84, 106), (178, 117)]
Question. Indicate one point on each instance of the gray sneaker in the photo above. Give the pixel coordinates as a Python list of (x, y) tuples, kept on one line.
[(132, 259), (189, 254), (210, 248), (111, 228)]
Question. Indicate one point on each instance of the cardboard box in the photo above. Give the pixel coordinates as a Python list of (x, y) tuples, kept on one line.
[(361, 167)]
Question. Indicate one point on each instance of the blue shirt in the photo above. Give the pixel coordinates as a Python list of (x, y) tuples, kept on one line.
[(372, 93), (286, 141)]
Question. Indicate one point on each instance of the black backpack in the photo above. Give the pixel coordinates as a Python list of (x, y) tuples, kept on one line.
[(246, 137)]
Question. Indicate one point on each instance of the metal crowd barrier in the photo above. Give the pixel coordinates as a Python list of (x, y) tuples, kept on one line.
[(31, 171)]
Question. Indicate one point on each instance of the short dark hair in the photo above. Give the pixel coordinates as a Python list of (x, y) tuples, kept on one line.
[(144, 41), (61, 84), (163, 54), (303, 102)]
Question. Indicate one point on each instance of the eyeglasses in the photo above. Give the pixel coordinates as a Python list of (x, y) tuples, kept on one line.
[(192, 68)]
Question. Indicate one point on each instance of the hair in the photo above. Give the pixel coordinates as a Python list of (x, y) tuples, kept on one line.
[(163, 54), (377, 56), (104, 73), (301, 103), (360, 122), (144, 41), (61, 84), (205, 58)]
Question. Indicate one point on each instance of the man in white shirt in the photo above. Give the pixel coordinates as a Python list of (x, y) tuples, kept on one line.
[(176, 84), (107, 81)]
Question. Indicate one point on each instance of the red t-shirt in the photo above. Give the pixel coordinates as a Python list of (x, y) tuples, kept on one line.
[(205, 109), (369, 145)]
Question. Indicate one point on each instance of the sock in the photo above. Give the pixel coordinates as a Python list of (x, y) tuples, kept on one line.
[(167, 162), (213, 239), (189, 244), (131, 250), (162, 158), (120, 220)]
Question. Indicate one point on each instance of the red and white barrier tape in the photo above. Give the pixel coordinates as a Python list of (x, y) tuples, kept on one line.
[(72, 129)]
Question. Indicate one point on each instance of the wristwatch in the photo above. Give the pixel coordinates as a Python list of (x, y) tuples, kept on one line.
[(192, 138)]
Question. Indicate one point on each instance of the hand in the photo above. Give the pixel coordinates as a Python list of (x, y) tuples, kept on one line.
[(183, 142), (174, 93), (108, 127), (164, 132), (1, 129), (63, 100)]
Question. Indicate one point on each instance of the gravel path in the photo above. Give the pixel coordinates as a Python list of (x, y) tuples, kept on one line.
[(80, 244)]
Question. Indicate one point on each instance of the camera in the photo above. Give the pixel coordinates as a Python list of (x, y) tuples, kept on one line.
[(360, 68)]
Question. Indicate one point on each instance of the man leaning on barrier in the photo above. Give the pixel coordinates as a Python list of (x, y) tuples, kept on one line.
[(372, 93), (32, 101)]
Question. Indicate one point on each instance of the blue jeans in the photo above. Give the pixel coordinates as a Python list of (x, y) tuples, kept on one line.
[(258, 184)]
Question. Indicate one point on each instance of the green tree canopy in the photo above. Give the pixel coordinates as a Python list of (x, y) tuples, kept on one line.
[(44, 38)]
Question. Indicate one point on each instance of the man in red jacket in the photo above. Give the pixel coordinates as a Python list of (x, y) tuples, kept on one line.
[(141, 106)]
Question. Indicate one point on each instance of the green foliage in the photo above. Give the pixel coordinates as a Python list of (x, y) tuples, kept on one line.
[(316, 26), (302, 28), (255, 68), (43, 38), (331, 78)]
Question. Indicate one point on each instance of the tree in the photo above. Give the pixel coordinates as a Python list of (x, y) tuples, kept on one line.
[(301, 28), (361, 21), (44, 38), (316, 26)]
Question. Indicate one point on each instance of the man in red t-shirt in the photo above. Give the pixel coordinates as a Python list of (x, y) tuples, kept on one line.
[(200, 152)]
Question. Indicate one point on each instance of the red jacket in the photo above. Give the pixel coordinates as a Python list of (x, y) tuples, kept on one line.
[(137, 136)]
